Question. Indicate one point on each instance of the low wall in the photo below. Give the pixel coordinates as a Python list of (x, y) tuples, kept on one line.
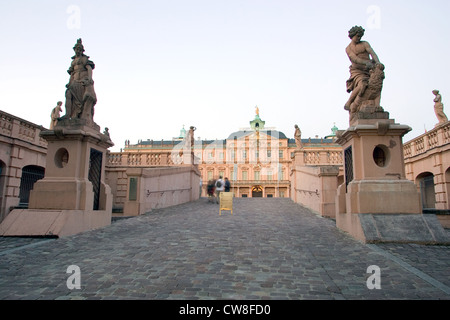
[(139, 190), (315, 187)]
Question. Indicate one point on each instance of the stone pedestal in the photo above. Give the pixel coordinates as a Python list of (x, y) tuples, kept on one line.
[(72, 197), (376, 199)]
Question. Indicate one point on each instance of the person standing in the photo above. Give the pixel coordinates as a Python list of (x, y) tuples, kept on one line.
[(220, 187), (210, 190), (227, 185)]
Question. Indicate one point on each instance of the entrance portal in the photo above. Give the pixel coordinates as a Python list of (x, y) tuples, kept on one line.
[(257, 192)]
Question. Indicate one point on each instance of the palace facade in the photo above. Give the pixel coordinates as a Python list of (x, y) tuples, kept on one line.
[(257, 160)]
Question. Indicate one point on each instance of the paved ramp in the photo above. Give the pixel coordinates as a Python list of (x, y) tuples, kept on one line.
[(268, 249)]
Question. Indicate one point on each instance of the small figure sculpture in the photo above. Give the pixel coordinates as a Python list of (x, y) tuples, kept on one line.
[(298, 137), (366, 74), (106, 132), (55, 115), (191, 136), (80, 94), (257, 110), (439, 107)]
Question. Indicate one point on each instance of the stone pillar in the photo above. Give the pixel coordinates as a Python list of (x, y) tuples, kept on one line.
[(73, 196), (376, 202)]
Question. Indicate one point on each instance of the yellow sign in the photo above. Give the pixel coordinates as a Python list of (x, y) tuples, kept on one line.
[(226, 202)]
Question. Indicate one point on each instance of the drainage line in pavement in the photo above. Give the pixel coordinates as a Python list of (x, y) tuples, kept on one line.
[(24, 247)]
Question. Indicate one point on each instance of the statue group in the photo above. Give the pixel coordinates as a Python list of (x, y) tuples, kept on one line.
[(80, 93), (366, 75)]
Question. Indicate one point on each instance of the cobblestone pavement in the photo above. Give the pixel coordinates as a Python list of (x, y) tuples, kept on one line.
[(268, 249)]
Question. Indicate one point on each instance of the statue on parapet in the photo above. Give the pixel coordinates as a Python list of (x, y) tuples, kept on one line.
[(191, 136), (439, 108), (366, 75), (80, 94), (55, 115), (298, 137)]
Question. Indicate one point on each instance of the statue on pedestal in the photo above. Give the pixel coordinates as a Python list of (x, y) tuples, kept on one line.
[(298, 137), (56, 112), (191, 136), (439, 107), (366, 75), (80, 94)]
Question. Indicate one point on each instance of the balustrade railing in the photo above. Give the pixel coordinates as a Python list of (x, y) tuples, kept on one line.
[(140, 159), (437, 137), (18, 128)]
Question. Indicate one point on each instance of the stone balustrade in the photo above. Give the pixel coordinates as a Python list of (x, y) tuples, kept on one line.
[(437, 137), (17, 128), (323, 157), (140, 159)]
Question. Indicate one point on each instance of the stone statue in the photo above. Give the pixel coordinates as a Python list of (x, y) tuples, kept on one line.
[(106, 132), (80, 94), (191, 136), (298, 137), (366, 75), (55, 115), (439, 107)]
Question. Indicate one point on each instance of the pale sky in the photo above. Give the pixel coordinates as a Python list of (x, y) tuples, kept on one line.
[(164, 64)]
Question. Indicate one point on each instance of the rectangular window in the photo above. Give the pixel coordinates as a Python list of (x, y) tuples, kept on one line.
[(244, 175), (132, 193)]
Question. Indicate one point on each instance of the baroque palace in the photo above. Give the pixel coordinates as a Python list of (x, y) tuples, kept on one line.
[(256, 160)]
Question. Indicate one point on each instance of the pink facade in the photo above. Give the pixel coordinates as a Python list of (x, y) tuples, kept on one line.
[(427, 163)]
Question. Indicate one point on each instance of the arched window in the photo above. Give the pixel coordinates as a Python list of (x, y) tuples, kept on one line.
[(425, 181), (30, 174)]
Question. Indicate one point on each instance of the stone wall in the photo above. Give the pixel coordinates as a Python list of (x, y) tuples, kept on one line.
[(315, 187), (20, 146), (429, 154), (139, 190)]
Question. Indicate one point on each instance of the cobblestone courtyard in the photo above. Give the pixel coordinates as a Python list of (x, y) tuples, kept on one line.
[(268, 249)]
